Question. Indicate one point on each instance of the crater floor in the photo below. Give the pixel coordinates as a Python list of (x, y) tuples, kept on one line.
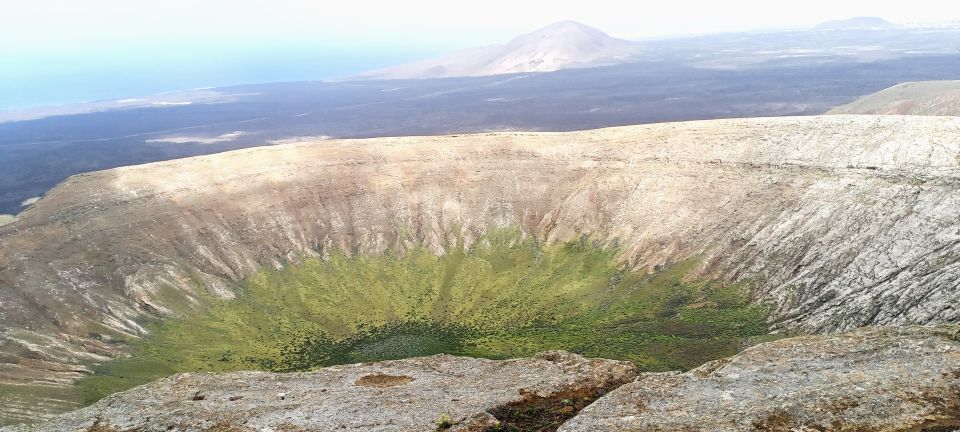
[(502, 298)]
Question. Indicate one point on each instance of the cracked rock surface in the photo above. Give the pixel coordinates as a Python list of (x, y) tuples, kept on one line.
[(402, 395), (871, 379)]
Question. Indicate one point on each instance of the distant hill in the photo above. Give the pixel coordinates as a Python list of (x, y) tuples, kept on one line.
[(858, 23), (937, 98), (562, 45)]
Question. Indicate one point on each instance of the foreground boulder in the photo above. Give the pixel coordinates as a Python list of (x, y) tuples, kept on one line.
[(872, 379), (420, 394)]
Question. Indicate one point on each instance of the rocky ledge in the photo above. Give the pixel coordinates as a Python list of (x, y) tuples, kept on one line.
[(871, 379), (421, 394)]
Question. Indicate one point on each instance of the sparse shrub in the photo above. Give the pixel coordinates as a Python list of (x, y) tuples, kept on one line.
[(444, 422)]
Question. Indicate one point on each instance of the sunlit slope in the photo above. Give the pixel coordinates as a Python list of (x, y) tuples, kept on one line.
[(936, 98)]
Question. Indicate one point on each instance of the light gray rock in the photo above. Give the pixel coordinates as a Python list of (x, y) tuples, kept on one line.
[(402, 395), (872, 379)]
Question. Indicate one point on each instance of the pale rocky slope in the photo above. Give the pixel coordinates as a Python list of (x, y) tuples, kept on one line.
[(558, 46), (876, 379), (841, 221), (933, 98)]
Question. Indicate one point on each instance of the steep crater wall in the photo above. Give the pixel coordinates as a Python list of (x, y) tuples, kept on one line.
[(840, 221)]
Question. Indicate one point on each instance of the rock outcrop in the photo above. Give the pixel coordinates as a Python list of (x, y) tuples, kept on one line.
[(872, 379), (422, 394), (932, 98), (840, 221)]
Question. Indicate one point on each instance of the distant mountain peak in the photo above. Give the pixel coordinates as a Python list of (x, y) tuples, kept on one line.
[(566, 26), (569, 33), (560, 45)]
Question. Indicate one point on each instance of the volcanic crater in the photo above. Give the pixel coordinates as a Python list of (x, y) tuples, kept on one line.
[(667, 245)]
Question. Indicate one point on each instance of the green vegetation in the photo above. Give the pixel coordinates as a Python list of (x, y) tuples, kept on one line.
[(502, 298), (444, 422)]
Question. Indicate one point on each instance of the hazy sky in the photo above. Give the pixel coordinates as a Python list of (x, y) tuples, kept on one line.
[(50, 46), (53, 23)]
